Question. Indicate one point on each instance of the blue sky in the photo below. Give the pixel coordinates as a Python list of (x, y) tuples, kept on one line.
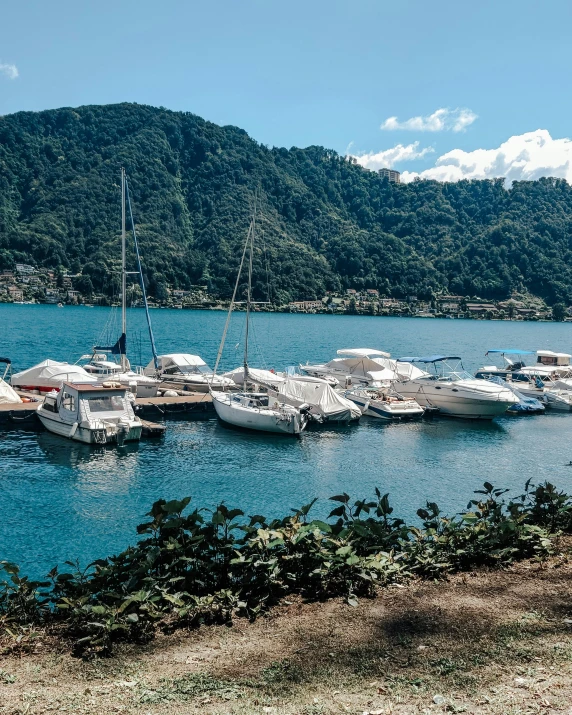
[(315, 72)]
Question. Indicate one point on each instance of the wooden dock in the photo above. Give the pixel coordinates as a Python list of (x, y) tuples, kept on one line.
[(195, 404)]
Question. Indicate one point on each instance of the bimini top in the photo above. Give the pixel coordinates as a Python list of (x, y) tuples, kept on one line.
[(510, 351), (363, 352), (429, 359)]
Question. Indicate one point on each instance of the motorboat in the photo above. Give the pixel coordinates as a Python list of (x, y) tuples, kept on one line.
[(93, 414), (49, 375), (254, 410), (8, 396), (356, 366), (385, 403), (188, 371), (104, 369), (454, 391), (526, 405), (322, 401), (513, 360)]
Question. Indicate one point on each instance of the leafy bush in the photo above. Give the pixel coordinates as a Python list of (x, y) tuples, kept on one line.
[(206, 566)]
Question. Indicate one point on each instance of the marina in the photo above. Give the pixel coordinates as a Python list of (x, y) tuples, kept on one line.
[(84, 501)]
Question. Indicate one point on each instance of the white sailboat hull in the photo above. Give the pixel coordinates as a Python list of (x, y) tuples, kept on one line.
[(262, 419)]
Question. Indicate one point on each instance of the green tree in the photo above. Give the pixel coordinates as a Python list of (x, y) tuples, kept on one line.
[(558, 311)]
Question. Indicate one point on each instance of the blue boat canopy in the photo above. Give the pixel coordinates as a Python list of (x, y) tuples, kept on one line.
[(430, 358), (510, 351)]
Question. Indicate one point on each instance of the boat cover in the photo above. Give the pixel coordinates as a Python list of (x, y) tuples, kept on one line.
[(51, 373), (363, 352), (320, 395), (175, 360), (265, 377), (7, 394)]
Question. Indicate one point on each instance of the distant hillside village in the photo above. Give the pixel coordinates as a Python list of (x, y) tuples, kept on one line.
[(27, 284)]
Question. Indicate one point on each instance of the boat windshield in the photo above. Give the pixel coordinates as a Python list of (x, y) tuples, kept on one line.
[(451, 372), (109, 403)]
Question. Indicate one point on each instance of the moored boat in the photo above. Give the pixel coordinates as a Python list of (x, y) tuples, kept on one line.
[(253, 410), (189, 371), (385, 403), (49, 375), (453, 391), (93, 414)]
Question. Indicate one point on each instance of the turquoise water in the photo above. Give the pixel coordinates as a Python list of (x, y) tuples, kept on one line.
[(60, 500)]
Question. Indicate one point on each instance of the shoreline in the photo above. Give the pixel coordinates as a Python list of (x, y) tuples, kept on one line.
[(487, 643), (223, 309)]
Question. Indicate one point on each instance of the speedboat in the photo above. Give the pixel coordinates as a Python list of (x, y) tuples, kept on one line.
[(355, 366), (93, 414), (513, 361), (526, 405), (452, 390), (104, 369), (385, 403), (50, 375), (189, 371)]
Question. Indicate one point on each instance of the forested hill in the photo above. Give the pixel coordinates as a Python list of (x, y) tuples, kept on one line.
[(325, 223)]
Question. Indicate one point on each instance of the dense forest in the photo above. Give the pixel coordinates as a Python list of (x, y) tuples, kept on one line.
[(325, 223)]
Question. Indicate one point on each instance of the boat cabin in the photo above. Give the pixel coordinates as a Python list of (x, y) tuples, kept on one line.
[(76, 403), (252, 399), (547, 357)]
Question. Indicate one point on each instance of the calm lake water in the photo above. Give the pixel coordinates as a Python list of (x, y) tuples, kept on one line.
[(60, 500)]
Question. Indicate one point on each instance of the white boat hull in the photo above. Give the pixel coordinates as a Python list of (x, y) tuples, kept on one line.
[(388, 410), (258, 419), (85, 434), (455, 404)]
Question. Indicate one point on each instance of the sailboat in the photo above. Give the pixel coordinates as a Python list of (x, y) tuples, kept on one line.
[(258, 411), (99, 365)]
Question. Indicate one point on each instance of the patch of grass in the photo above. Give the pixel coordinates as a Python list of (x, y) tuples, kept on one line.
[(191, 687)]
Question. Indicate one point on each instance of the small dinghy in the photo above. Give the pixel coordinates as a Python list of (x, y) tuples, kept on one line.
[(93, 414)]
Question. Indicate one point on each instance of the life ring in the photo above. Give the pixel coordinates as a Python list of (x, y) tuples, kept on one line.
[(110, 384)]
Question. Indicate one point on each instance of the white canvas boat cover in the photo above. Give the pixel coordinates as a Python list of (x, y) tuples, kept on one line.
[(408, 371), (363, 352), (51, 373), (176, 360), (265, 377), (318, 394), (7, 394), (360, 365), (384, 375)]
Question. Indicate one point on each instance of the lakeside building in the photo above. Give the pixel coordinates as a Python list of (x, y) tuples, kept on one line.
[(393, 176)]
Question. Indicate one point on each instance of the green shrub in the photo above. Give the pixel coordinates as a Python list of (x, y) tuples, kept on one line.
[(206, 566)]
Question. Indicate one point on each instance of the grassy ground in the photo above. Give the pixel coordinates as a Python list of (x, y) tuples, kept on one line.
[(485, 642)]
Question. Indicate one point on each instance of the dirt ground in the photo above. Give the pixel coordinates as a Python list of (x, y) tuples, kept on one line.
[(486, 642)]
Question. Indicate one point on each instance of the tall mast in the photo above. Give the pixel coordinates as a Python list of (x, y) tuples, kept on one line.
[(123, 274), (249, 293)]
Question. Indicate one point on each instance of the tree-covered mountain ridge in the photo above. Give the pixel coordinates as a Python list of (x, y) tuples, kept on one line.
[(324, 224)]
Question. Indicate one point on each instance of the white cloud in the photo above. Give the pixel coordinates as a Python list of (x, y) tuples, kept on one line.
[(523, 157), (390, 157), (9, 70), (456, 120)]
